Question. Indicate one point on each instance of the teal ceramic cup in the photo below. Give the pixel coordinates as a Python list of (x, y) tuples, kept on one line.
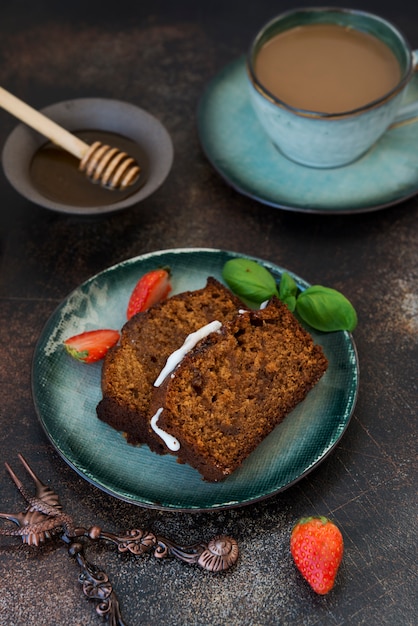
[(327, 140)]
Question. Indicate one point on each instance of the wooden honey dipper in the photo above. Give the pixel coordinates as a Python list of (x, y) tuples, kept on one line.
[(101, 163)]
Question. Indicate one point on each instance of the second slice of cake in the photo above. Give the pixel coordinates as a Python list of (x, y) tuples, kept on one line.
[(231, 390)]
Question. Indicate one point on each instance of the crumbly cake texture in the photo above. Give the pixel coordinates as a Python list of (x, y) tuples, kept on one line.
[(147, 339), (235, 386)]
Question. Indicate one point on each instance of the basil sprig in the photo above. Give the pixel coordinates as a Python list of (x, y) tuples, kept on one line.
[(321, 307)]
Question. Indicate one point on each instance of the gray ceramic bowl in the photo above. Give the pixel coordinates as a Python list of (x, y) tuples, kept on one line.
[(91, 114)]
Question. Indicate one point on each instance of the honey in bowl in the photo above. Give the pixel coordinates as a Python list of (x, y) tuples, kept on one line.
[(326, 68), (55, 173)]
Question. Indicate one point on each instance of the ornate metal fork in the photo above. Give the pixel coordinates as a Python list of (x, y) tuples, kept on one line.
[(44, 518)]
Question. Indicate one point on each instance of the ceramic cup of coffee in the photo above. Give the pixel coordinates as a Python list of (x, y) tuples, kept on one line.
[(327, 83)]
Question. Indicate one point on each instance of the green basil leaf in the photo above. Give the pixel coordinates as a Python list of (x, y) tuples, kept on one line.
[(249, 280), (288, 290), (326, 309)]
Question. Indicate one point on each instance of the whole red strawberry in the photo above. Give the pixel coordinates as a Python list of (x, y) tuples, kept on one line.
[(317, 547)]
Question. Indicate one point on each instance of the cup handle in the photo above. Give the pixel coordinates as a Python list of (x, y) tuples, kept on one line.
[(408, 113)]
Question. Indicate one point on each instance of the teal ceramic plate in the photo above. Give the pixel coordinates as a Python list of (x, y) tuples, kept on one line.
[(238, 149), (66, 393)]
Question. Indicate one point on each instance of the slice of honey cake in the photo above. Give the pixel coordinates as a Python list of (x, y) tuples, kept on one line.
[(230, 391), (147, 339)]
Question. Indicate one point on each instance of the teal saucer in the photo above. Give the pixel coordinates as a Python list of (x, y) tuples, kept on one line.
[(238, 149)]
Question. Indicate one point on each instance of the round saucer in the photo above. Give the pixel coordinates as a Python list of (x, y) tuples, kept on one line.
[(66, 393), (89, 114), (238, 149)]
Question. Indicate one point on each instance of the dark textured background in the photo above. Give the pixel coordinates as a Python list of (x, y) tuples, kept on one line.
[(160, 56)]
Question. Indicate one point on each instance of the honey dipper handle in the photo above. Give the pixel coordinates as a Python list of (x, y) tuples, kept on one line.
[(42, 124)]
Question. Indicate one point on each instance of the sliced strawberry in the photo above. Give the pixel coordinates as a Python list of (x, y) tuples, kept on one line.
[(151, 288), (91, 345)]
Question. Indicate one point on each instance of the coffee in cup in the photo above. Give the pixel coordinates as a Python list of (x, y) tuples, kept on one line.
[(326, 83)]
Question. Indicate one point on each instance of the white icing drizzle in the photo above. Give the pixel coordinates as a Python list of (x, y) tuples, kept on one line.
[(191, 340), (171, 442)]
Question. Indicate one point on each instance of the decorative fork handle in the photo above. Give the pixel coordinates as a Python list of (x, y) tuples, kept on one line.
[(217, 555), (97, 587)]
